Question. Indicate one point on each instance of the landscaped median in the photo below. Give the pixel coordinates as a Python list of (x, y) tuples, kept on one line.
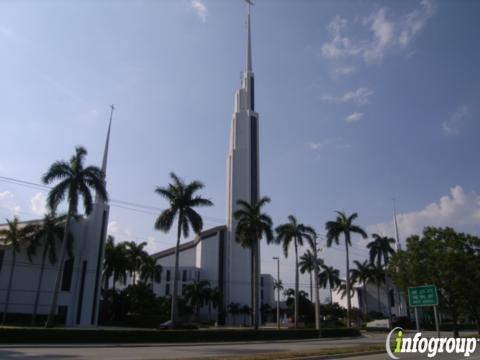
[(13, 335)]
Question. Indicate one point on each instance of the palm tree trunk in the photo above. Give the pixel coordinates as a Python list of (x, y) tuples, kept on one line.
[(349, 303), (176, 276), (378, 297), (311, 287), (331, 295), (9, 287), (365, 306), (255, 286), (39, 286), (317, 291), (389, 304), (296, 285), (53, 308)]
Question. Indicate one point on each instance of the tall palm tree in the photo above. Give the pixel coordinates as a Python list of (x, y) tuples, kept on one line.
[(47, 234), (116, 262), (378, 275), (12, 236), (294, 233), (136, 255), (150, 271), (330, 277), (381, 249), (196, 294), (182, 199), (75, 181), (307, 264), (362, 274), (343, 225), (252, 226)]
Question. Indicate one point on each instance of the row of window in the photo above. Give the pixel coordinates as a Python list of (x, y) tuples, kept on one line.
[(185, 277)]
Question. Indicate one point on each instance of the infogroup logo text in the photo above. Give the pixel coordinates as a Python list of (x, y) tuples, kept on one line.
[(429, 346)]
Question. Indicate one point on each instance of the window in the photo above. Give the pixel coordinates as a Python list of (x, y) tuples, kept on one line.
[(167, 289), (184, 275), (392, 298), (62, 314), (2, 254), (67, 274), (261, 281), (261, 296), (183, 289), (168, 275)]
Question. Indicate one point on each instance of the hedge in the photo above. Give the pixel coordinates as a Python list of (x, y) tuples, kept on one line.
[(59, 335)]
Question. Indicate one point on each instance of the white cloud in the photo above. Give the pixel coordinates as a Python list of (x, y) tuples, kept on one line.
[(359, 96), (199, 7), (7, 202), (337, 143), (384, 33), (459, 210), (354, 117), (453, 124), (415, 21), (38, 204)]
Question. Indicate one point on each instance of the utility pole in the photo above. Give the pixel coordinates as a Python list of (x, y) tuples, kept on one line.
[(278, 291)]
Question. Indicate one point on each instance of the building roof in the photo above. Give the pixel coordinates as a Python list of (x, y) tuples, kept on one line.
[(190, 244)]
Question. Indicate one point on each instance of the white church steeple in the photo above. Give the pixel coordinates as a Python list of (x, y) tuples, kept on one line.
[(242, 180), (105, 151)]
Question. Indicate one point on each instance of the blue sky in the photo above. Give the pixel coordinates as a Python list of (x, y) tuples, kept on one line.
[(359, 102)]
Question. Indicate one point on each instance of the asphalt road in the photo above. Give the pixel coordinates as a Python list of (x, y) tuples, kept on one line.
[(176, 351), (212, 350)]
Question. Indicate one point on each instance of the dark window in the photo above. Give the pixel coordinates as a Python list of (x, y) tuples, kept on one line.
[(167, 289), (2, 255), (168, 275), (198, 276), (183, 289), (67, 274), (261, 281), (62, 314), (392, 298), (252, 93), (261, 296), (184, 275)]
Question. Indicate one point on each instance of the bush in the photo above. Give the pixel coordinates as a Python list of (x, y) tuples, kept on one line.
[(32, 335)]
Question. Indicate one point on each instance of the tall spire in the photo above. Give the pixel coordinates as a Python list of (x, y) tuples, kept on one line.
[(248, 65), (397, 237), (105, 151)]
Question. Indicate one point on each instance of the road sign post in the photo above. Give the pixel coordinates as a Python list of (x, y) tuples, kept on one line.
[(422, 296)]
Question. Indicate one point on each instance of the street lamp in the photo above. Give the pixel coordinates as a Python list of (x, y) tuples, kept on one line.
[(278, 290)]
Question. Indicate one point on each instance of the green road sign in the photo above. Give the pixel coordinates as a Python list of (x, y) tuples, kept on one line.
[(423, 295)]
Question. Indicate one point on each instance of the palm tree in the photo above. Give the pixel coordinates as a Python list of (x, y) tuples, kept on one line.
[(381, 249), (362, 274), (136, 255), (293, 232), (47, 233), (116, 262), (196, 294), (182, 200), (378, 275), (307, 264), (75, 181), (330, 277), (12, 236), (150, 270), (343, 225), (252, 226)]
